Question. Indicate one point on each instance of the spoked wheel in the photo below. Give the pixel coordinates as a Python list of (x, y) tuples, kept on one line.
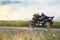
[(31, 24)]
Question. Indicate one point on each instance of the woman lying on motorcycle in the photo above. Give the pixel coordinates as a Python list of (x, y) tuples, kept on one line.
[(36, 17), (41, 19)]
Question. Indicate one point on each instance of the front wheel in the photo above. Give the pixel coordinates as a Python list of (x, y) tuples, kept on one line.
[(31, 24)]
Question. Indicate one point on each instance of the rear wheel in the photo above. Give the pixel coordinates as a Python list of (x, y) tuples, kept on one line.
[(47, 25)]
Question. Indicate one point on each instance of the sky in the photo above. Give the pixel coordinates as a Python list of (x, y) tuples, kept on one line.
[(24, 9)]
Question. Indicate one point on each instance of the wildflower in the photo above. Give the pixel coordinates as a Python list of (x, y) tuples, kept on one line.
[(53, 35), (20, 38), (42, 37)]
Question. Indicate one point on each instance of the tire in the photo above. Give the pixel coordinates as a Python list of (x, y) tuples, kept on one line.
[(48, 25), (31, 24)]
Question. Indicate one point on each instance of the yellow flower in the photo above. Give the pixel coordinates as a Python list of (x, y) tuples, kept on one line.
[(42, 37), (20, 38), (53, 35)]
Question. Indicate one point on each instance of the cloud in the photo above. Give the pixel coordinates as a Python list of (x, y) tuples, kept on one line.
[(9, 2), (21, 9)]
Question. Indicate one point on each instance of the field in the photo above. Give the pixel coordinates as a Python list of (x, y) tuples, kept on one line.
[(14, 23), (23, 24), (26, 34)]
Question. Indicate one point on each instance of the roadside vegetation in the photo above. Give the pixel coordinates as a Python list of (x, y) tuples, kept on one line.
[(56, 24), (23, 24), (28, 35)]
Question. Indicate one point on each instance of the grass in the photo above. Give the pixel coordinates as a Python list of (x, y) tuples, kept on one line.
[(28, 35), (14, 23), (23, 24), (56, 24)]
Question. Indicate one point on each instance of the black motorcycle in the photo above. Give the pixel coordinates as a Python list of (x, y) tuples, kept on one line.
[(43, 21)]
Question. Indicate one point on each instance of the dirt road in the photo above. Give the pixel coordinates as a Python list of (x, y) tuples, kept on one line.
[(15, 30)]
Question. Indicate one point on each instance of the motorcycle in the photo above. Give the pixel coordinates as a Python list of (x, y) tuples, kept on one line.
[(43, 21)]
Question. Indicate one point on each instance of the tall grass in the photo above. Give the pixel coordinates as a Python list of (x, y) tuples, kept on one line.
[(28, 35)]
